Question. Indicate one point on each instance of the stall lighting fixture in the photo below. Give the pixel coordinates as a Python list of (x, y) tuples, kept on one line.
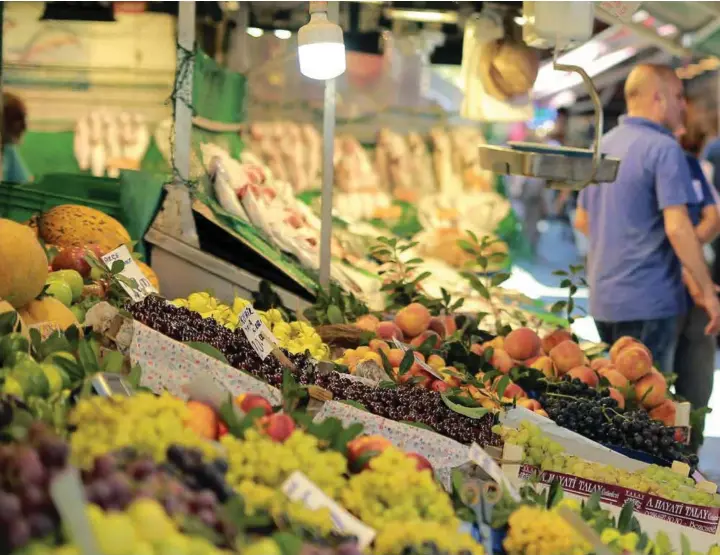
[(255, 32), (321, 48), (283, 34), (423, 16)]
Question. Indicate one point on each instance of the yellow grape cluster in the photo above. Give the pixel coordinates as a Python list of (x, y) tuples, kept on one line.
[(536, 531), (296, 337), (394, 539), (144, 529), (145, 422), (541, 451), (260, 460), (392, 491)]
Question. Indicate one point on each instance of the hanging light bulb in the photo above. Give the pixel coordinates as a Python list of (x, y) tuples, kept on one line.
[(321, 49)]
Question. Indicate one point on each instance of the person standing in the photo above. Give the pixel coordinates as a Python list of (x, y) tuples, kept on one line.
[(14, 124), (695, 354), (639, 230)]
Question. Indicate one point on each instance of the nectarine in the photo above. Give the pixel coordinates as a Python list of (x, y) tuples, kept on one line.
[(554, 339), (522, 344), (585, 375), (633, 362), (664, 412), (566, 356), (650, 390), (413, 319)]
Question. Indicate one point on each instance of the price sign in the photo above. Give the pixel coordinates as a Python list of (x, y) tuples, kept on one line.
[(298, 488), (68, 495), (488, 464), (622, 10), (131, 271), (421, 363), (260, 337)]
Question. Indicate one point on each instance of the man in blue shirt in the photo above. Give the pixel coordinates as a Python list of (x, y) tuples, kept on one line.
[(641, 236)]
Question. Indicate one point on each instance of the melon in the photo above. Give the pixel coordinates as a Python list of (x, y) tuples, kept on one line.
[(23, 264), (48, 310), (7, 307), (72, 225), (149, 273)]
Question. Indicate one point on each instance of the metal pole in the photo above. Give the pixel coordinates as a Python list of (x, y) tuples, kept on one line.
[(328, 168)]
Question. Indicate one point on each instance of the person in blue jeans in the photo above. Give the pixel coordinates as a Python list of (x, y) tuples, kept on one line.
[(640, 234), (695, 353)]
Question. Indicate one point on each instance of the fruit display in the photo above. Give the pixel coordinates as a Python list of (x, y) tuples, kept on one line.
[(540, 451), (71, 225), (403, 403), (297, 337)]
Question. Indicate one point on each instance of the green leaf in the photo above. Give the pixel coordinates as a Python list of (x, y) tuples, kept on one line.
[(117, 267), (499, 278), (387, 384), (208, 350), (576, 268), (555, 494), (72, 368), (334, 315), (353, 404), (476, 284), (467, 246), (135, 376), (407, 361), (8, 321), (113, 362), (475, 413), (625, 519), (685, 547), (346, 435), (558, 307), (88, 358), (560, 273), (289, 543), (421, 277), (36, 341), (565, 283), (502, 386)]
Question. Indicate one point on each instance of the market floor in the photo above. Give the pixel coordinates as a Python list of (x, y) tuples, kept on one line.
[(556, 251)]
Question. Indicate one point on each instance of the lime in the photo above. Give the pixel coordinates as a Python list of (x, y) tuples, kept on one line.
[(32, 378), (151, 521), (53, 376), (60, 290), (60, 354), (79, 313), (13, 387), (13, 343), (72, 278), (17, 357)]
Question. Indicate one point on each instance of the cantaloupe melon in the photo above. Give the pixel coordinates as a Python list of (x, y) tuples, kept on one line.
[(149, 273), (48, 309), (7, 307), (72, 225), (23, 264)]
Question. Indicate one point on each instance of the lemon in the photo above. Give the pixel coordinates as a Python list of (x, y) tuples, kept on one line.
[(117, 535), (151, 521), (13, 387), (54, 378), (239, 305)]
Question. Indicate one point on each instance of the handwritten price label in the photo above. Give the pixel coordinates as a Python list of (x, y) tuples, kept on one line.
[(131, 272), (260, 337), (298, 488)]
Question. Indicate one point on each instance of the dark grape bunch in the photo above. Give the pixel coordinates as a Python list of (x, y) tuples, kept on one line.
[(593, 414), (185, 485), (404, 403), (27, 512)]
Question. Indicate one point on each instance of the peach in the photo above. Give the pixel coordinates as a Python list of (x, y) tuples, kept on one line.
[(633, 362), (514, 391), (421, 463), (278, 427), (615, 394), (436, 362), (420, 339), (413, 319), (600, 363), (378, 345), (367, 322), (664, 412), (395, 357), (497, 343), (362, 445), (450, 376), (545, 365), (541, 412), (585, 375), (477, 349), (443, 325), (566, 356), (615, 378), (522, 344), (249, 401), (650, 390), (388, 330), (502, 361), (620, 344), (203, 420), (530, 404), (554, 339), (439, 386)]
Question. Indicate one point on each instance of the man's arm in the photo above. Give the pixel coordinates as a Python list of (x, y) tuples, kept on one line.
[(581, 221), (709, 225), (680, 232)]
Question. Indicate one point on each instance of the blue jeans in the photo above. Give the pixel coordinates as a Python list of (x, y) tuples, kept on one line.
[(660, 336)]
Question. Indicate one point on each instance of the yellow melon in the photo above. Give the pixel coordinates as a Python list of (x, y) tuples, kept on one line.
[(50, 310), (23, 264), (72, 225), (7, 307), (149, 273)]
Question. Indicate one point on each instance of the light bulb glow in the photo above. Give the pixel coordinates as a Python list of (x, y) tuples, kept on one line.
[(323, 60), (255, 32), (283, 34)]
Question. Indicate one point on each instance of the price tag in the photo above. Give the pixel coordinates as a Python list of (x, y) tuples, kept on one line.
[(298, 488), (260, 337), (622, 10), (131, 271), (422, 364), (487, 463), (68, 495)]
